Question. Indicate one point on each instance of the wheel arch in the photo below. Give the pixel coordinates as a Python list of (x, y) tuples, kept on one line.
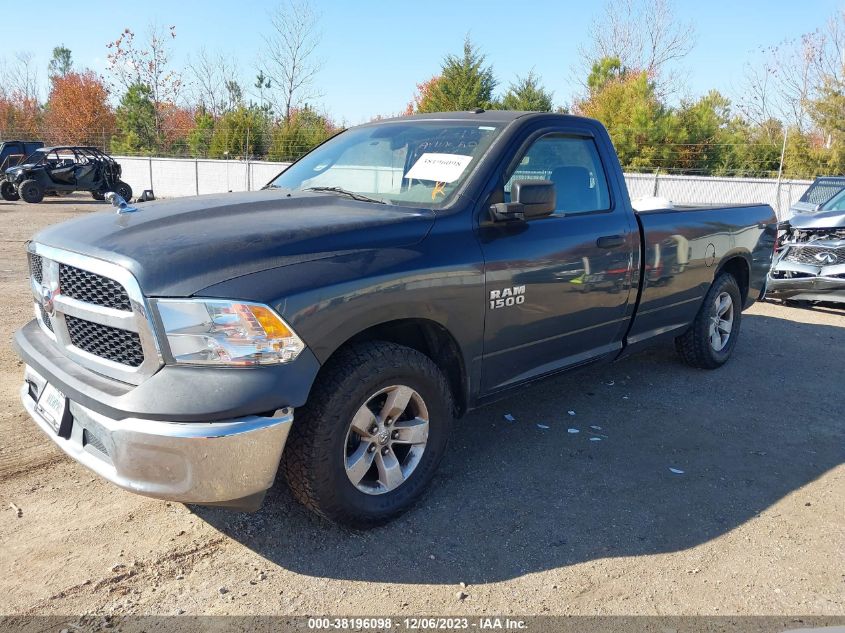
[(427, 337), (737, 264)]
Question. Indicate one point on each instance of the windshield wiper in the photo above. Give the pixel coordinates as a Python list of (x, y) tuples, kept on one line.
[(345, 192)]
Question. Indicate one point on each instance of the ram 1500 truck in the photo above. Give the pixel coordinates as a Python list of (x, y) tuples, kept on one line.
[(335, 323)]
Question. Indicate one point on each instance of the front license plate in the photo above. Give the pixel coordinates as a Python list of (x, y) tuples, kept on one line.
[(51, 405)]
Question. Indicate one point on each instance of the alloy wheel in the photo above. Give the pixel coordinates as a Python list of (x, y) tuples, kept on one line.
[(386, 439)]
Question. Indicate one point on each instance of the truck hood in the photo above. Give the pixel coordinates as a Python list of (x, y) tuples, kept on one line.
[(177, 247)]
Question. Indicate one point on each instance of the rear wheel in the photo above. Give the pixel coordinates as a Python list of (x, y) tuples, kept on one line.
[(712, 336), (30, 191), (367, 443), (8, 191)]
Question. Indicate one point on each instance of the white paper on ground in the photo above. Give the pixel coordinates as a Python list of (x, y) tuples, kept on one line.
[(510, 418), (677, 471), (542, 426), (439, 167), (572, 431)]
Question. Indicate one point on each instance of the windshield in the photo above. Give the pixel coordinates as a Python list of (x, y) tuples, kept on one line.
[(823, 192), (419, 163), (837, 203), (33, 158)]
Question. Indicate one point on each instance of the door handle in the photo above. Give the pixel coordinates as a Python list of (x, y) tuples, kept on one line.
[(610, 241)]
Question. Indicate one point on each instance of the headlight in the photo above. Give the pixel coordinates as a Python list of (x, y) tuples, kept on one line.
[(219, 332)]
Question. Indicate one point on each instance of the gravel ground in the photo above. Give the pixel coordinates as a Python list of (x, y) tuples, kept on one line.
[(532, 520)]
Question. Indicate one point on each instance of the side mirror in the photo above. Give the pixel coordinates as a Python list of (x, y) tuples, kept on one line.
[(529, 199)]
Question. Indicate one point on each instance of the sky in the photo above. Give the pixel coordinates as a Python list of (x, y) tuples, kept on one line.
[(375, 52)]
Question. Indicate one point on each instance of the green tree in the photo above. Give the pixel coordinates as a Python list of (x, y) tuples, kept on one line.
[(465, 83), (527, 93), (239, 133), (199, 139), (61, 63), (603, 72), (827, 111), (638, 122), (302, 132), (136, 122)]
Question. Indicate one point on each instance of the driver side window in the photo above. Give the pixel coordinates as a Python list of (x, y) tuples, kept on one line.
[(572, 163)]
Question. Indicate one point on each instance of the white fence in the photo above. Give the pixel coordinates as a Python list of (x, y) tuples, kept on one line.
[(174, 177), (717, 190)]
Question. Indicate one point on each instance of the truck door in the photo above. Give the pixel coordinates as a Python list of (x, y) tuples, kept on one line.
[(557, 287)]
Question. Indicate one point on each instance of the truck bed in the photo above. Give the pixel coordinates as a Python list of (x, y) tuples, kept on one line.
[(680, 246)]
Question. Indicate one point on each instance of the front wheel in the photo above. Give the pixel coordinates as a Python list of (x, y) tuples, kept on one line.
[(8, 191), (367, 443), (709, 341), (31, 191), (123, 190)]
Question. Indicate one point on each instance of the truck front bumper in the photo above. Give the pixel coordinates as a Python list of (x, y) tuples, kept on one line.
[(229, 463)]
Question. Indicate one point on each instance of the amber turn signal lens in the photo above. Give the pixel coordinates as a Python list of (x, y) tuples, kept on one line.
[(271, 323)]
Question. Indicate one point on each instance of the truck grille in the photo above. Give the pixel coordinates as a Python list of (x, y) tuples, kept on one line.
[(92, 288), (813, 255), (45, 318), (35, 268), (106, 328), (106, 342)]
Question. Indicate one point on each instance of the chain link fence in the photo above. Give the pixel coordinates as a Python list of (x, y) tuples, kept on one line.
[(218, 157), (698, 190), (174, 177), (218, 139)]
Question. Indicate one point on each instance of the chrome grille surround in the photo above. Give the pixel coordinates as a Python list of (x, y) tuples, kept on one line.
[(136, 320)]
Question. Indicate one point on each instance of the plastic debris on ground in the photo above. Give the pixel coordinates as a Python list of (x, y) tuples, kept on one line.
[(595, 439), (543, 426), (571, 412), (677, 471), (572, 431), (597, 428), (510, 418)]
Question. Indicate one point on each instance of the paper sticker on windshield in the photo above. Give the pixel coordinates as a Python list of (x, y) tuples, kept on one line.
[(439, 167)]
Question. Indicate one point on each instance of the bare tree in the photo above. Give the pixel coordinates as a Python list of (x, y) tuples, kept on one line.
[(209, 76), (788, 77), (645, 35), (289, 59), (147, 64), (20, 78), (755, 100)]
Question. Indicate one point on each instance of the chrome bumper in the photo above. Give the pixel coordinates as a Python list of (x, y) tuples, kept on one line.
[(231, 462)]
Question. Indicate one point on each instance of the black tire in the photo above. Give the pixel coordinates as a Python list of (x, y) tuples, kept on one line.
[(8, 191), (98, 195), (123, 190), (30, 191), (314, 461), (696, 346)]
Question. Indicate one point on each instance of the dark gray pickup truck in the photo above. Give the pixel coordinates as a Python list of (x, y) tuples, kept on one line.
[(334, 324)]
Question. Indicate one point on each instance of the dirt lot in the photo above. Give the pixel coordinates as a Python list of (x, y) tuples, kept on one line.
[(533, 520)]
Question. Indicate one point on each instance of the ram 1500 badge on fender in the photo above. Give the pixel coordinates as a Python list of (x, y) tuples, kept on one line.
[(336, 322)]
